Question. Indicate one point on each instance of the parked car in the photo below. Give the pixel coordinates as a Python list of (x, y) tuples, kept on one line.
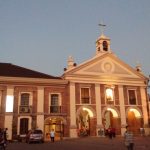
[(35, 136)]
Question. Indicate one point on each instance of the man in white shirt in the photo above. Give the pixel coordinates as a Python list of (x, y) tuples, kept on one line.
[(52, 135)]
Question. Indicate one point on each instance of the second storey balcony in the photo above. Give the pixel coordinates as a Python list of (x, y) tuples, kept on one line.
[(25, 109), (55, 109)]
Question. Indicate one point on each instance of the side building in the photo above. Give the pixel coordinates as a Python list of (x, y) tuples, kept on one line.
[(30, 100), (92, 96)]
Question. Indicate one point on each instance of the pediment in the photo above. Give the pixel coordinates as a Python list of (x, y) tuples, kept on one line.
[(109, 65)]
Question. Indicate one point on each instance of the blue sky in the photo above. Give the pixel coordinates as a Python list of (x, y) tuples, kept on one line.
[(41, 34)]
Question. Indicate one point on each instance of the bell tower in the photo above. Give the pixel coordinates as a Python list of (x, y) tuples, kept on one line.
[(102, 43)]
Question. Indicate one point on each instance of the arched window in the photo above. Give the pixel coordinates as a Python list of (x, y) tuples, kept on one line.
[(105, 46)]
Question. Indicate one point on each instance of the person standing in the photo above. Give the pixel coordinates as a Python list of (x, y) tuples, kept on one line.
[(110, 132), (129, 141), (52, 135), (5, 134)]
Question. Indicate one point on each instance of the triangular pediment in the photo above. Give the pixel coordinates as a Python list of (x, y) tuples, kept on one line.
[(106, 65)]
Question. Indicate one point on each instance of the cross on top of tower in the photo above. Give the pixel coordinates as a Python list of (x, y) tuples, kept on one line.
[(102, 26)]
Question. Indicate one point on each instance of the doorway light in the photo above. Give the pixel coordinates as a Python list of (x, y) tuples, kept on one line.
[(89, 111), (113, 112), (136, 112)]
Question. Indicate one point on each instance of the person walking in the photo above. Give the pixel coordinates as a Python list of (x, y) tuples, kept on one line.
[(128, 137), (52, 135)]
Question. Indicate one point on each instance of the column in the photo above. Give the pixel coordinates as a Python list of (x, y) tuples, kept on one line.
[(9, 112), (144, 109), (40, 108), (122, 110), (73, 126), (98, 107)]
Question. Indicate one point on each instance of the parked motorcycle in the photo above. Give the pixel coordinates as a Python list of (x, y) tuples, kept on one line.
[(3, 144), (3, 138)]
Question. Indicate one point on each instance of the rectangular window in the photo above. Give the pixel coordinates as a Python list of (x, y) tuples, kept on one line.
[(109, 94), (132, 97), (24, 103), (24, 125), (54, 100), (9, 103), (85, 96), (55, 107)]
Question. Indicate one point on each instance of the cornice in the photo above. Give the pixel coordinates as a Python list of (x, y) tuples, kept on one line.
[(26, 81)]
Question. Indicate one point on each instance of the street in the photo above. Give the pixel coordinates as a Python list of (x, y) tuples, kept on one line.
[(88, 143)]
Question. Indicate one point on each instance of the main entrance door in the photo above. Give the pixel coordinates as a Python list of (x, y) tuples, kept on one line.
[(111, 120), (108, 119), (134, 122), (57, 125)]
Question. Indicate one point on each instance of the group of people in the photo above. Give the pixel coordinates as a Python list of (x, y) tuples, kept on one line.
[(3, 133), (3, 137), (111, 132)]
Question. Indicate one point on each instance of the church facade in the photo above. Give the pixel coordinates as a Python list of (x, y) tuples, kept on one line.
[(100, 93)]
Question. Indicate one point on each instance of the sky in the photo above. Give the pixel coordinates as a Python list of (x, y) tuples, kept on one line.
[(42, 34)]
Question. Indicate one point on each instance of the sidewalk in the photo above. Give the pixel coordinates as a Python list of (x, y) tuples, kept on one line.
[(87, 143)]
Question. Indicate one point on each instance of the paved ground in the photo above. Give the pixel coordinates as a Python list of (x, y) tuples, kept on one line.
[(88, 143)]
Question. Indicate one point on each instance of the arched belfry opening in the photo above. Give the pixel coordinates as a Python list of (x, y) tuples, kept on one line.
[(105, 46), (102, 45)]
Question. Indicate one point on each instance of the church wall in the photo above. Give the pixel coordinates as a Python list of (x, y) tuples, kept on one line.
[(139, 100), (93, 94), (77, 94), (102, 94), (116, 95)]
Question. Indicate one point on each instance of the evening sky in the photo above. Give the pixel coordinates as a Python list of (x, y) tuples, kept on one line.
[(42, 34)]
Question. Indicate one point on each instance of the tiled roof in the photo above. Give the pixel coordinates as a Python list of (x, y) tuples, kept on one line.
[(10, 70)]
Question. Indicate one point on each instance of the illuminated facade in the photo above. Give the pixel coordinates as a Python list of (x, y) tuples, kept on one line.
[(101, 92)]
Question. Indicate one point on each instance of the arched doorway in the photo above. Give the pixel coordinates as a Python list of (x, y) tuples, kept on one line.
[(108, 117), (111, 119), (56, 123), (85, 122), (134, 120)]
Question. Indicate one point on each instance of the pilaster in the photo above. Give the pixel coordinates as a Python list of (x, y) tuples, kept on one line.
[(40, 108), (144, 105), (98, 107), (122, 110), (73, 127)]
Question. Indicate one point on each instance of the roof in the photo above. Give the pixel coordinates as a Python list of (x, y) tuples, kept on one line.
[(106, 68), (10, 70)]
